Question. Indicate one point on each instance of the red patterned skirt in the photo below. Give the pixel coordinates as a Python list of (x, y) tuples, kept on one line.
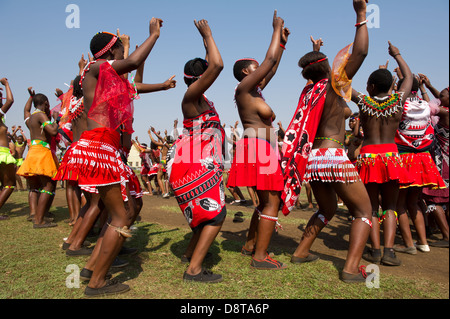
[(154, 170), (422, 170), (382, 163), (95, 161), (196, 177), (134, 185), (330, 165), (256, 163), (65, 174)]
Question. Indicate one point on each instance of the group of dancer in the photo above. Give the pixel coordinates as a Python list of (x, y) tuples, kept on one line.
[(392, 169)]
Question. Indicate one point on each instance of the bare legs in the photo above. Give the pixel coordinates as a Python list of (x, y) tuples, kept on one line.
[(8, 180), (357, 200), (408, 201)]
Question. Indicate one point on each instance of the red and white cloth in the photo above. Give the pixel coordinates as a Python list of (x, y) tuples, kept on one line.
[(330, 165)]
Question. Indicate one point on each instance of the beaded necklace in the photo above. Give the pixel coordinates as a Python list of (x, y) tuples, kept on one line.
[(386, 107)]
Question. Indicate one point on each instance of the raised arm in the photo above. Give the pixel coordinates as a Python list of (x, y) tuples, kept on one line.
[(284, 38), (135, 59), (361, 42), (270, 61), (151, 137), (27, 109), (9, 97), (425, 80), (404, 68), (149, 88), (215, 65)]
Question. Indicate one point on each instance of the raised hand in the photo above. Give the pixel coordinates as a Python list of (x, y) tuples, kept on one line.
[(285, 33), (317, 44), (82, 63), (58, 92), (360, 6), (277, 21), (203, 28), (124, 38), (393, 51), (170, 83), (155, 26), (384, 66), (31, 91)]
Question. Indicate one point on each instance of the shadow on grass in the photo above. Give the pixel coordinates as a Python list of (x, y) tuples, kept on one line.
[(15, 209), (179, 248)]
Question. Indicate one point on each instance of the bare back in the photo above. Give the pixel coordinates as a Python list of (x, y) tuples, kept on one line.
[(34, 123), (332, 122)]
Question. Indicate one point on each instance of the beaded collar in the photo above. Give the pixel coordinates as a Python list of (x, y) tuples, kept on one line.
[(380, 107)]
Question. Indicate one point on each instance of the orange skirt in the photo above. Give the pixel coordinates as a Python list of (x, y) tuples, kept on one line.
[(39, 161)]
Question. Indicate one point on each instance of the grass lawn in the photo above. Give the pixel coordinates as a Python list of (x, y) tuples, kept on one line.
[(33, 266)]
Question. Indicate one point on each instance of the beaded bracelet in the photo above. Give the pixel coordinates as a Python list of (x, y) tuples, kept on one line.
[(361, 23)]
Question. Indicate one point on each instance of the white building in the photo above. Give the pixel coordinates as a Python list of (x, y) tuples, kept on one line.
[(134, 160)]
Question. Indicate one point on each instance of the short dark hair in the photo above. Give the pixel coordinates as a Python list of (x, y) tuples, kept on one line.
[(194, 69), (77, 89), (100, 40), (239, 65), (39, 99), (311, 69), (382, 79)]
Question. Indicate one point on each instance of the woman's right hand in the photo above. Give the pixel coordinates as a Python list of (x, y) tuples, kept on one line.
[(277, 21)]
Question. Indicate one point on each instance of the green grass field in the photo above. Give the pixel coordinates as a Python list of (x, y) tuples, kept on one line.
[(33, 266)]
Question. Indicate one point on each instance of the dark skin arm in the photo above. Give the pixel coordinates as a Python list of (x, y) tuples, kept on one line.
[(427, 83), (149, 88), (404, 68), (191, 106), (270, 63), (361, 42), (9, 96), (27, 109)]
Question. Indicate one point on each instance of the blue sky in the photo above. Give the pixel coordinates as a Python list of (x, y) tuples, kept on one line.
[(39, 50)]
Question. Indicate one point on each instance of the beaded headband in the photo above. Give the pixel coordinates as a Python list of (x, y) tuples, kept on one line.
[(318, 61), (108, 46)]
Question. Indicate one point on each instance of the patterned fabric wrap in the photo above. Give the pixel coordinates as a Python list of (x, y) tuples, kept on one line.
[(256, 163), (441, 151), (415, 130), (330, 165), (195, 169), (380, 164), (299, 139)]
